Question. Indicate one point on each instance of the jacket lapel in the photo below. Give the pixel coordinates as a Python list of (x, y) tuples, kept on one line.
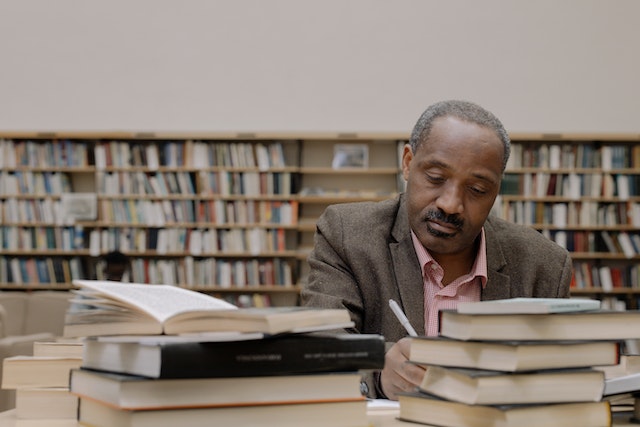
[(498, 284), (407, 272)]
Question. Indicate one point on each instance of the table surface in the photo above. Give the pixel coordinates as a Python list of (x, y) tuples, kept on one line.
[(379, 417)]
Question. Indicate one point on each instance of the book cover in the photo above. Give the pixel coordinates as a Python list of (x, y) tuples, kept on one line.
[(513, 356), (529, 305), (581, 325), (191, 357), (428, 409), (141, 393)]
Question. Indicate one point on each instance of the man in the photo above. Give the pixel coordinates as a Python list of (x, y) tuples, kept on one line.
[(435, 244)]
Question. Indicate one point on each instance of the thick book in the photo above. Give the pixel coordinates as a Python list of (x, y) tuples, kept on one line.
[(528, 305), (141, 393), (114, 308), (580, 325), (483, 387), (60, 348), (318, 414), (32, 371), (426, 409), (180, 357), (513, 356), (46, 403)]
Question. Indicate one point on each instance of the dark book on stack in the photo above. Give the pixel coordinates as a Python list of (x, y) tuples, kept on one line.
[(192, 357)]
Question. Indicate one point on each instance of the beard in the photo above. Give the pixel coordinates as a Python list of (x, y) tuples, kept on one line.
[(438, 215)]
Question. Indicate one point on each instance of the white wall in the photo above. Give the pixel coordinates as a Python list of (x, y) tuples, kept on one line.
[(323, 65)]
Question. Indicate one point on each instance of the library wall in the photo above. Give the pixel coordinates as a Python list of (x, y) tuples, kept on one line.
[(286, 65)]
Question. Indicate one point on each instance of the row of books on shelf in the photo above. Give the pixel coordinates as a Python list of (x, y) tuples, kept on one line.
[(193, 241), (623, 243), (571, 185), (202, 183), (572, 155), (588, 274), (36, 154), (212, 273), (63, 238), (563, 214), (46, 271), (189, 272), (162, 212), (27, 182), (189, 153)]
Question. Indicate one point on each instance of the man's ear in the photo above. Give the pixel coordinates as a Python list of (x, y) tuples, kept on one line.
[(407, 156)]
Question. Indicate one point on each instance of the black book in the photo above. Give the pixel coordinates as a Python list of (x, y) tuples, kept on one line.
[(191, 357)]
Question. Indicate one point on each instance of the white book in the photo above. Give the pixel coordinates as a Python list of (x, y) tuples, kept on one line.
[(554, 157), (153, 161), (626, 244), (606, 281), (622, 182), (195, 242), (528, 305), (94, 242)]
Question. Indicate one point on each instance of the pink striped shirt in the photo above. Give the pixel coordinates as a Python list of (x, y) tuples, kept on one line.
[(464, 288)]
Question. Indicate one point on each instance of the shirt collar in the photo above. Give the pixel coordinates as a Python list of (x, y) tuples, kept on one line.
[(479, 268)]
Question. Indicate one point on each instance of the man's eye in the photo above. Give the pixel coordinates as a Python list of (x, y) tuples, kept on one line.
[(478, 190), (435, 178)]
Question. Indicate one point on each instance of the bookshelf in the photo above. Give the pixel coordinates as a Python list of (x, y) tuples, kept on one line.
[(583, 192), (221, 214), (234, 214)]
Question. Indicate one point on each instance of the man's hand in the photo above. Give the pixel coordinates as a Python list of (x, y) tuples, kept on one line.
[(398, 375)]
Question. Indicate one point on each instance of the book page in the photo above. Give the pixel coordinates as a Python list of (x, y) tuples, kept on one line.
[(159, 301)]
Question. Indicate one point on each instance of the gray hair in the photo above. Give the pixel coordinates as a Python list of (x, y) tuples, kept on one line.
[(463, 110)]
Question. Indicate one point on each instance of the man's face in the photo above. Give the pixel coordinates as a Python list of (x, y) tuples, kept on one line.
[(452, 182)]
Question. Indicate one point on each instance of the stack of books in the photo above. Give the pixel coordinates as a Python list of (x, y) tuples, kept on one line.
[(165, 356), (41, 381), (519, 363)]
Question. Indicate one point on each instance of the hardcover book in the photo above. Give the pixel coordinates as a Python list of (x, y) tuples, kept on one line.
[(184, 357), (482, 387), (528, 305), (581, 325), (426, 409), (134, 392), (114, 308), (513, 356), (319, 414)]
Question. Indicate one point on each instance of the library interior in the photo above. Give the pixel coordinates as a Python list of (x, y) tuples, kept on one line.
[(196, 146)]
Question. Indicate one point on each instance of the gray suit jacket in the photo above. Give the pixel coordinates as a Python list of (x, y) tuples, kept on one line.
[(364, 256)]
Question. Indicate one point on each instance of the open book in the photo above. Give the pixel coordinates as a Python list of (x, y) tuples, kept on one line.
[(114, 308)]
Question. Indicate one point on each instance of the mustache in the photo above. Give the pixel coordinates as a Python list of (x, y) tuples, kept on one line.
[(440, 216)]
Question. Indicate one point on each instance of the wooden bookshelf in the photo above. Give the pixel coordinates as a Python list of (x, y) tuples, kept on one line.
[(228, 206), (582, 192)]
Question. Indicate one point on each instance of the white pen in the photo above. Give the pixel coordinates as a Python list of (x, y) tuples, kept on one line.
[(402, 318)]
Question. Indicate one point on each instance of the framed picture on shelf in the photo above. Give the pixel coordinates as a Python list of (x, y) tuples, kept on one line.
[(79, 206), (350, 156)]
